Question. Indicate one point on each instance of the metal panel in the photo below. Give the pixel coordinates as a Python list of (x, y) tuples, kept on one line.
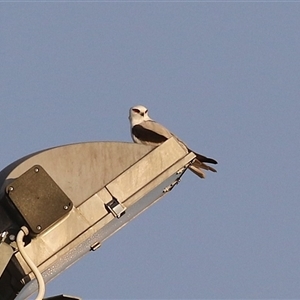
[(38, 199)]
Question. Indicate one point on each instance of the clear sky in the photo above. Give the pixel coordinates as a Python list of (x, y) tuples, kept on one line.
[(223, 76)]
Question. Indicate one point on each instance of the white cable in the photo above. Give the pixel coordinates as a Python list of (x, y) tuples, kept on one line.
[(39, 278)]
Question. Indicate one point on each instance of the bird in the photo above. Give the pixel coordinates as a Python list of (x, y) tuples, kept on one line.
[(146, 131)]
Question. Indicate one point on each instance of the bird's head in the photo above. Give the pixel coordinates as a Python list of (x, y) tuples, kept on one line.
[(138, 114)]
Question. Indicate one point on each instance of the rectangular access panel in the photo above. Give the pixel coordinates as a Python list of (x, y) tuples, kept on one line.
[(38, 199)]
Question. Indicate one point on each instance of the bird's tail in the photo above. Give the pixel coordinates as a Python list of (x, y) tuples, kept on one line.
[(197, 171), (204, 159), (199, 164)]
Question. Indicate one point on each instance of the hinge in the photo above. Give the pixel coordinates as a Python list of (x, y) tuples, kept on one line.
[(171, 186), (116, 208), (183, 169), (180, 172), (95, 246)]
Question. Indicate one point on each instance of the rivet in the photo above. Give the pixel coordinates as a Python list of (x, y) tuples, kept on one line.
[(66, 207), (36, 170), (39, 227)]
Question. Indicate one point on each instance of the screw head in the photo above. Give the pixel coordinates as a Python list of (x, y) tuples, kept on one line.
[(11, 188), (66, 207), (36, 170), (39, 227)]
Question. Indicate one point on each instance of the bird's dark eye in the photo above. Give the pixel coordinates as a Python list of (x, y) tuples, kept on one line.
[(136, 110), (146, 111)]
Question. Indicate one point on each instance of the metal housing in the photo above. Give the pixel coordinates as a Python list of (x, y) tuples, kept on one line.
[(108, 184)]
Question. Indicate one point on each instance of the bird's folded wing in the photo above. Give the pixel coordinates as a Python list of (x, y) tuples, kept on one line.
[(151, 132)]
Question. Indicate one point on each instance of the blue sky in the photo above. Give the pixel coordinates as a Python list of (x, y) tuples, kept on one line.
[(223, 76)]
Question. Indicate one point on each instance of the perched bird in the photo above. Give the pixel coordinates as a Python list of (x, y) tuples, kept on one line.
[(146, 131)]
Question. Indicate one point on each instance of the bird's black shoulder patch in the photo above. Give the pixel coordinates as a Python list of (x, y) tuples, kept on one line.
[(147, 135)]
